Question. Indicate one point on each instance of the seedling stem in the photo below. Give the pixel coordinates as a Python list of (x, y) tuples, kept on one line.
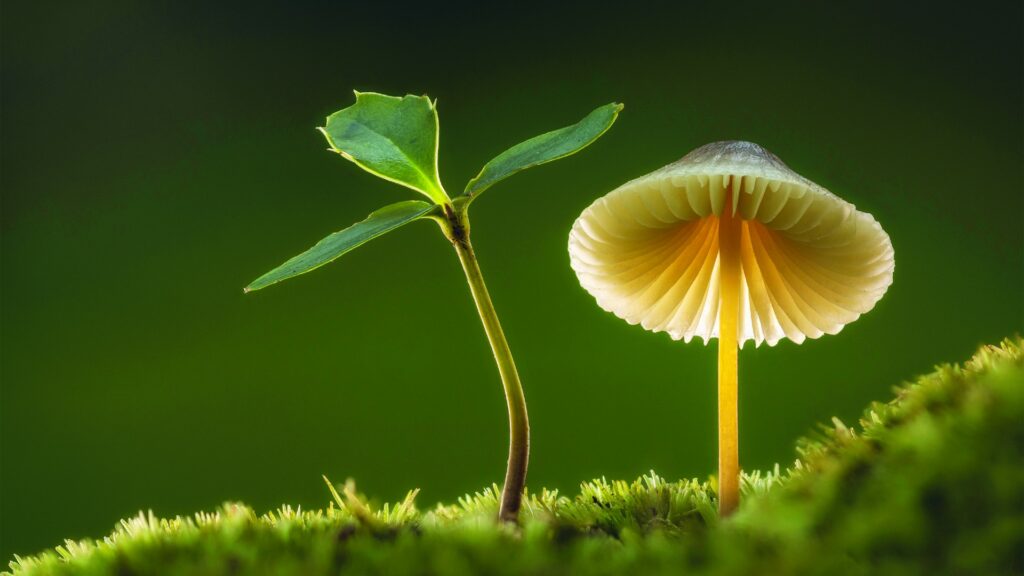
[(456, 228)]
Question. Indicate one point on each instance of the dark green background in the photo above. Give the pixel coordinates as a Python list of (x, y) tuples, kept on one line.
[(157, 157)]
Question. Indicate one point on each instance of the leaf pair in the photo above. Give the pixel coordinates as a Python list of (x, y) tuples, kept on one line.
[(396, 139)]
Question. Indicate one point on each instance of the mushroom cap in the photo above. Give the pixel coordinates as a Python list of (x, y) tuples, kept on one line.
[(810, 262)]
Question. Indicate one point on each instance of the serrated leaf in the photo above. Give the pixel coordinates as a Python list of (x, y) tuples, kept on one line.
[(379, 222), (545, 148), (391, 137)]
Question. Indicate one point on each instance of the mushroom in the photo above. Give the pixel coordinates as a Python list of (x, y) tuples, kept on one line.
[(730, 243)]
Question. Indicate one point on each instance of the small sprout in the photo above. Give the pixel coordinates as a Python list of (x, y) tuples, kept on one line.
[(397, 140), (730, 243)]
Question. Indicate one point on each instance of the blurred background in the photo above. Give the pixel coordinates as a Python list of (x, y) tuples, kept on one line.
[(156, 157)]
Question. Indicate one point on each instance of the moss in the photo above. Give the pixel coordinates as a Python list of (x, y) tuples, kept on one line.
[(932, 481)]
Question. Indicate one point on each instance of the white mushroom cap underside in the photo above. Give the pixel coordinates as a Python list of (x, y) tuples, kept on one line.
[(811, 263)]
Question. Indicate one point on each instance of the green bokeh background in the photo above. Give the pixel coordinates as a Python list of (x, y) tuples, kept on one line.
[(156, 157)]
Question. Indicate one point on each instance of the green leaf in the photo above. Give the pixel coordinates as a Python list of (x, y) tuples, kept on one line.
[(394, 138), (376, 224), (545, 148)]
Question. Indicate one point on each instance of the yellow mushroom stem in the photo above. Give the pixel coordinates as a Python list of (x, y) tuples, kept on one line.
[(730, 229)]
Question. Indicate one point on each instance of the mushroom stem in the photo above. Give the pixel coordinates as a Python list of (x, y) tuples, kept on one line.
[(729, 231), (456, 227)]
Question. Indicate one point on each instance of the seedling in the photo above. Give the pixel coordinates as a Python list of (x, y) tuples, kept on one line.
[(397, 139), (730, 243)]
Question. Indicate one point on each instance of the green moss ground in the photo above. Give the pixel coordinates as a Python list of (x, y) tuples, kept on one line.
[(930, 482)]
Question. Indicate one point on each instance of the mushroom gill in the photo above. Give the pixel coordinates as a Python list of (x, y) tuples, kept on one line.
[(809, 261)]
